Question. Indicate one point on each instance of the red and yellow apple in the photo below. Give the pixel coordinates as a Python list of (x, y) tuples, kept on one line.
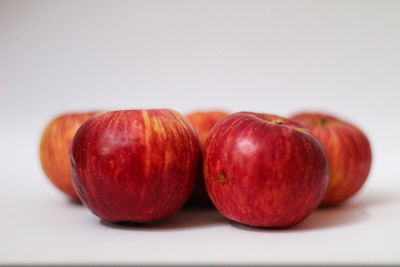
[(264, 170), (135, 165), (203, 122), (348, 151), (54, 149)]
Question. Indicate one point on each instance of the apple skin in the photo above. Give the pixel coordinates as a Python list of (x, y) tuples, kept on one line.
[(135, 165), (348, 150), (203, 122), (54, 148), (264, 170)]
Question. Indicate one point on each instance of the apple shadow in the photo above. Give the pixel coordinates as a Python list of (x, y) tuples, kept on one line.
[(75, 202), (198, 207), (183, 219), (352, 212), (375, 198), (342, 215), (319, 219)]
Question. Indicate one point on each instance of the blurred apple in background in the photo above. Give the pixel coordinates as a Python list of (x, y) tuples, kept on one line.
[(348, 150), (264, 170), (54, 149), (203, 122), (135, 165)]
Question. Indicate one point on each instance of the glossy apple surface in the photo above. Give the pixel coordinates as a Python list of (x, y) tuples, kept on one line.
[(348, 150), (203, 122), (135, 165), (54, 149), (264, 170)]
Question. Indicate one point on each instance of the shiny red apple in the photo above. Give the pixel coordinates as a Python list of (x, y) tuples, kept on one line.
[(135, 165), (203, 122), (264, 170), (54, 149), (348, 150)]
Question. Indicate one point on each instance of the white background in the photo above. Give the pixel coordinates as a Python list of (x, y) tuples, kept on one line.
[(268, 56)]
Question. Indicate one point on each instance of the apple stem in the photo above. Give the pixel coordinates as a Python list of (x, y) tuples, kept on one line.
[(323, 121), (279, 122)]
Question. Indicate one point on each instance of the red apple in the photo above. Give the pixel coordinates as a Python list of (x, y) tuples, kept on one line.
[(348, 151), (203, 122), (135, 165), (264, 170), (54, 149)]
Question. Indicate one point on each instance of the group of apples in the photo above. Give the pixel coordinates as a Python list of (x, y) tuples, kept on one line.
[(257, 169)]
